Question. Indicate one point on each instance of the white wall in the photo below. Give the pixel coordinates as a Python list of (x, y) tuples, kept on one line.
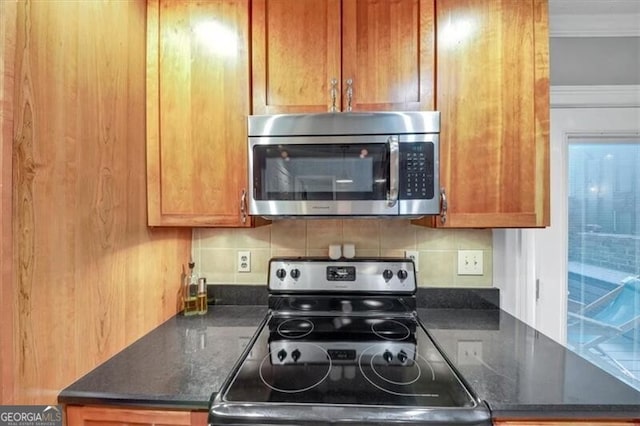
[(587, 61)]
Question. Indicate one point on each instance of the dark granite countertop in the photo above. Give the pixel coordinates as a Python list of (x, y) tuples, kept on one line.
[(178, 365), (520, 372)]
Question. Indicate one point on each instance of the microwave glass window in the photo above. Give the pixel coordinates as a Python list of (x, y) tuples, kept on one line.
[(321, 172), (317, 175)]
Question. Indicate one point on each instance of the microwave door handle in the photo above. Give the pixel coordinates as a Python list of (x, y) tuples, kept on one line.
[(394, 171)]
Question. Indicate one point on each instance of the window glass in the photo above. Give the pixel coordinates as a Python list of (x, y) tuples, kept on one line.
[(603, 323)]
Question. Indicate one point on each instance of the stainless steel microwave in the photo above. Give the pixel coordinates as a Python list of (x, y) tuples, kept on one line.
[(344, 164)]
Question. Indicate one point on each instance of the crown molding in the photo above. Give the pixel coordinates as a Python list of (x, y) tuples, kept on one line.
[(619, 96)]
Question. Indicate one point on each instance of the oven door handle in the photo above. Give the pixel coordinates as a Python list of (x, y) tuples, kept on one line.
[(394, 170)]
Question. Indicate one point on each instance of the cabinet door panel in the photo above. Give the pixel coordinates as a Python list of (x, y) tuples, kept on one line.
[(388, 51), (106, 416), (492, 92), (198, 101), (296, 53)]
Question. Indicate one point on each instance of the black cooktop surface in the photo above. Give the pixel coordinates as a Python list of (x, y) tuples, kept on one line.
[(343, 360), (335, 305)]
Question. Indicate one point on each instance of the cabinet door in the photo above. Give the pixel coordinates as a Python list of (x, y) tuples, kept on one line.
[(386, 48), (197, 107), (493, 95), (103, 416), (388, 52), (296, 54)]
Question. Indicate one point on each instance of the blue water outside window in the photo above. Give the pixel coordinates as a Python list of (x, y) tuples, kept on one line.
[(603, 323)]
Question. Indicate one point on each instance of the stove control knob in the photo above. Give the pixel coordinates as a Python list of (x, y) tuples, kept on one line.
[(402, 356), (295, 355), (387, 356), (282, 354), (402, 274), (387, 274), (281, 273), (295, 274)]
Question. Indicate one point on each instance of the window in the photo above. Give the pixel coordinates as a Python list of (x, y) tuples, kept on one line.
[(603, 306), (552, 286)]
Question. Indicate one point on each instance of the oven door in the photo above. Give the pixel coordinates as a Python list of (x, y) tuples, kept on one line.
[(324, 176)]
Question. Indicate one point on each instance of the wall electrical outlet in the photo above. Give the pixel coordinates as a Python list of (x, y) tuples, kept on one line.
[(470, 262), (470, 352), (244, 261), (412, 254)]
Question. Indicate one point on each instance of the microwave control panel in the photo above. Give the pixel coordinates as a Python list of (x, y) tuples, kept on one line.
[(416, 171)]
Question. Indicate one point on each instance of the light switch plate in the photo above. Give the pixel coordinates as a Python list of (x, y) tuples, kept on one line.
[(469, 352), (470, 262)]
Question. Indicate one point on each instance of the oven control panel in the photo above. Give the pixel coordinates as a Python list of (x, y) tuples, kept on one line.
[(387, 275)]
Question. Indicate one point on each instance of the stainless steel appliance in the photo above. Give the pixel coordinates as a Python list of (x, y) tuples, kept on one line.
[(342, 345), (344, 164)]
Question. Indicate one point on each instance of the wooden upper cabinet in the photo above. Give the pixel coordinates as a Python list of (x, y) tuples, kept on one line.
[(197, 105), (484, 64), (386, 48), (493, 96), (388, 51), (296, 52)]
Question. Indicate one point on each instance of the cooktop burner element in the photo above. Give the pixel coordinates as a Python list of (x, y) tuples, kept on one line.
[(342, 345), (295, 328), (390, 330), (375, 305), (303, 304), (384, 375), (272, 372)]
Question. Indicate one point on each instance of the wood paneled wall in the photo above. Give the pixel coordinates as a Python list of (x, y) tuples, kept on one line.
[(90, 277), (7, 70)]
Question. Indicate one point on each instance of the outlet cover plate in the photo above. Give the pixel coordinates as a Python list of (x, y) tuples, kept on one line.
[(413, 254), (470, 262), (244, 261)]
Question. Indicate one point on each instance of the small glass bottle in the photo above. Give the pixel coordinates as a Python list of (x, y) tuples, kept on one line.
[(202, 296), (190, 292)]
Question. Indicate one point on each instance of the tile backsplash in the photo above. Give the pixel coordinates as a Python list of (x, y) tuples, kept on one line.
[(215, 249)]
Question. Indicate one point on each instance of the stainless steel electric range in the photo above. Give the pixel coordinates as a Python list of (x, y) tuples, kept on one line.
[(342, 344)]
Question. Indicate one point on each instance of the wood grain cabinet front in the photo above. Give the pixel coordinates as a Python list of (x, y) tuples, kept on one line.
[(493, 95), (484, 64), (115, 416), (197, 105), (326, 55)]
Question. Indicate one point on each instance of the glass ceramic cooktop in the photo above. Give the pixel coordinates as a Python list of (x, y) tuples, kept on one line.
[(382, 360)]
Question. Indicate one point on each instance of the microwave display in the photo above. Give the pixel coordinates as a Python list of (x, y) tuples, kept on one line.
[(320, 172)]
